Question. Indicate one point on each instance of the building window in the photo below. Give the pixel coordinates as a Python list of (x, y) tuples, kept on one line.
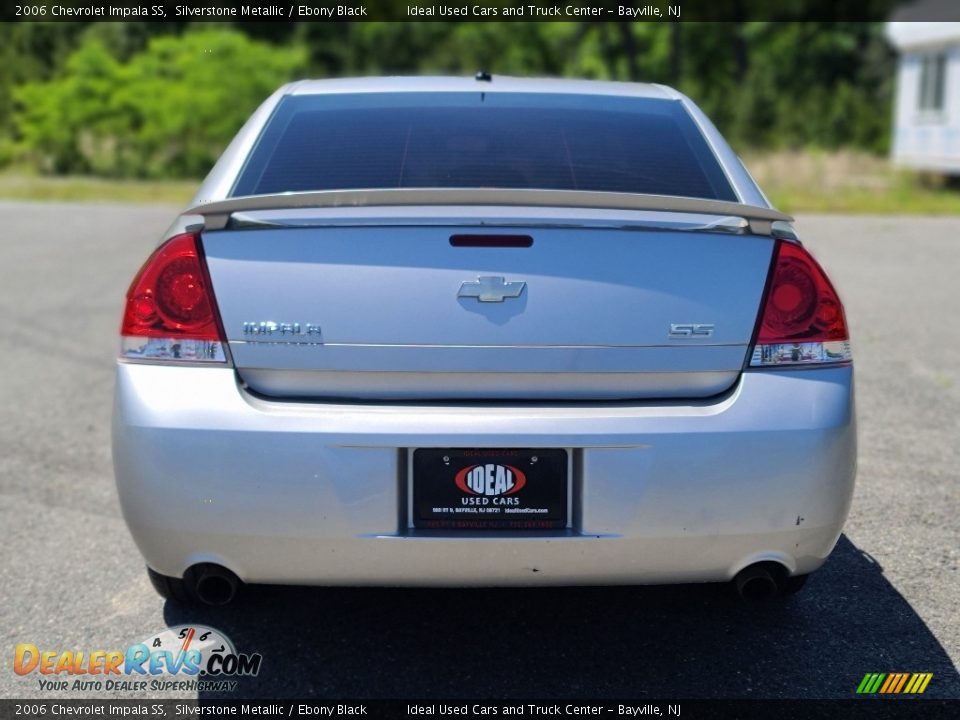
[(933, 71)]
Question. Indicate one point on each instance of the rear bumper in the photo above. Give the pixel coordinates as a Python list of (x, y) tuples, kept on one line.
[(315, 493)]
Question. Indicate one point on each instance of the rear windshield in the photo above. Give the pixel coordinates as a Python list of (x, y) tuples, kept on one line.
[(483, 140)]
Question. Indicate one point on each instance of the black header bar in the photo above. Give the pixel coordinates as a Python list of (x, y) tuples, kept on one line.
[(473, 10)]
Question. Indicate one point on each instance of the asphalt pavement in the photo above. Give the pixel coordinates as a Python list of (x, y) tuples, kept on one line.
[(886, 601)]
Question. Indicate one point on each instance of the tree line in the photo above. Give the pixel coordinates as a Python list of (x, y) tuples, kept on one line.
[(161, 100)]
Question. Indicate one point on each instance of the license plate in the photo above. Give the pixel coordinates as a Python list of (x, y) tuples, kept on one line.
[(490, 489)]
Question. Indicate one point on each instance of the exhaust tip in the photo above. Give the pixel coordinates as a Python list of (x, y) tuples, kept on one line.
[(760, 581), (212, 584)]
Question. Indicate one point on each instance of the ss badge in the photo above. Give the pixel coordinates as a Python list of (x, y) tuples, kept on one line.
[(682, 330)]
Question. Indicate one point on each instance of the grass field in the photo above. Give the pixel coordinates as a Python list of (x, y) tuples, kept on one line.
[(795, 182), (843, 182), (88, 189)]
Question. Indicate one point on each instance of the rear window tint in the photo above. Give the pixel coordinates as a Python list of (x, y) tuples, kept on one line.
[(489, 140)]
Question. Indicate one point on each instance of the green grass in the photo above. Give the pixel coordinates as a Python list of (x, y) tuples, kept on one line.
[(89, 189), (795, 182), (845, 182), (901, 201)]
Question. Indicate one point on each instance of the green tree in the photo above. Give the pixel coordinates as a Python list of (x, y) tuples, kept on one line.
[(161, 99), (167, 112)]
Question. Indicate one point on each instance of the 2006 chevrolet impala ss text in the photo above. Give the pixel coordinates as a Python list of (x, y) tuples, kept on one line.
[(491, 331)]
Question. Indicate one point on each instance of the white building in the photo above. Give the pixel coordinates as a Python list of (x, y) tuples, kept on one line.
[(926, 123)]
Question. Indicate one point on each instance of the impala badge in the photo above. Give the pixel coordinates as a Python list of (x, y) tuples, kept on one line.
[(275, 330), (491, 289)]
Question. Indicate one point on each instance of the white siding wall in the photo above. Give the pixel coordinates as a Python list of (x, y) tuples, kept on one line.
[(923, 140)]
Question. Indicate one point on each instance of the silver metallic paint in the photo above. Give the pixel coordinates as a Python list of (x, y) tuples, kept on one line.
[(664, 490), (311, 492)]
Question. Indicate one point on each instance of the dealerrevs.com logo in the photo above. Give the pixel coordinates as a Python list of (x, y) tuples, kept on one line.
[(491, 480), (181, 658)]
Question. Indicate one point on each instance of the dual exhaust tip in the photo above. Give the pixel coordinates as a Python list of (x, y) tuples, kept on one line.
[(211, 584), (216, 585), (765, 581)]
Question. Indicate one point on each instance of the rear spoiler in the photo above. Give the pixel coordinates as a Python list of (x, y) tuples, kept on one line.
[(217, 214)]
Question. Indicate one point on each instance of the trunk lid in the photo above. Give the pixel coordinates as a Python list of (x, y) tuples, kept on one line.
[(390, 309)]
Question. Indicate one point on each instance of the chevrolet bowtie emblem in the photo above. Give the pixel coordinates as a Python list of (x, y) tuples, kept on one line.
[(491, 289)]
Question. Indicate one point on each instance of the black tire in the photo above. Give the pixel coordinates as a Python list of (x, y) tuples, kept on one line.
[(169, 588), (794, 584)]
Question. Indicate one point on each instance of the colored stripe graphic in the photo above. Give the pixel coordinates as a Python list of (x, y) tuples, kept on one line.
[(894, 683), (918, 683), (903, 680), (870, 683), (892, 679)]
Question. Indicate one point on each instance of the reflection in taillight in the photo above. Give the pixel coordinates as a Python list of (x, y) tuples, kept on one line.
[(171, 313), (801, 319)]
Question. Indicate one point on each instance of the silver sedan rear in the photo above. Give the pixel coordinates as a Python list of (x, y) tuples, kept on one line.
[(393, 344)]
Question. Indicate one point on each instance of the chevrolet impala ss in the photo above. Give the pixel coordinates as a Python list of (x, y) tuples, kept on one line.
[(482, 331)]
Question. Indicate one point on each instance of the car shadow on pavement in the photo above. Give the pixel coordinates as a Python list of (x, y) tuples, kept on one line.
[(690, 641)]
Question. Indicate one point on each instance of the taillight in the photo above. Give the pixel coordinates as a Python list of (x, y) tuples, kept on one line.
[(801, 319), (171, 313)]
